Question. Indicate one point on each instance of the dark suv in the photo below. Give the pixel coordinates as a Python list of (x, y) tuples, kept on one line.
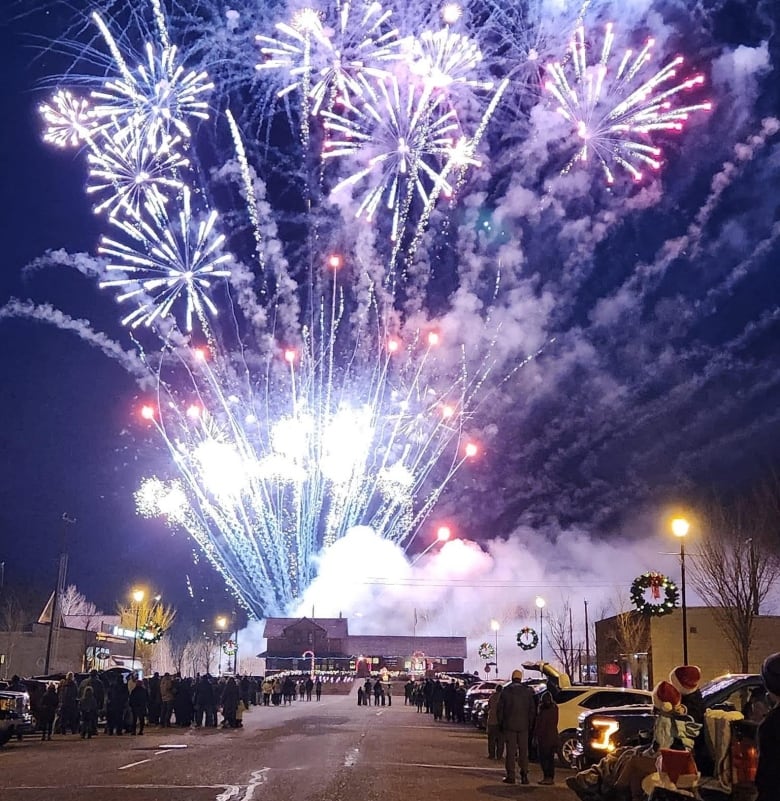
[(605, 730)]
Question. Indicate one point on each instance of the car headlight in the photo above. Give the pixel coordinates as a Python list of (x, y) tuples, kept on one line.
[(603, 729)]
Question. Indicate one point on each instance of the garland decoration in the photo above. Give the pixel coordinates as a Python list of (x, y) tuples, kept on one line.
[(486, 651), (527, 639), (664, 595), (151, 632)]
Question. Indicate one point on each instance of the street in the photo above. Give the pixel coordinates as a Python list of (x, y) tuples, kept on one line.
[(324, 751)]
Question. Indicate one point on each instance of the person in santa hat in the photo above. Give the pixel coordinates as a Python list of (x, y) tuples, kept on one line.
[(686, 679)]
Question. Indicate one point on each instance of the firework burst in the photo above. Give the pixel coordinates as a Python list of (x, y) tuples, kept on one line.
[(612, 107)]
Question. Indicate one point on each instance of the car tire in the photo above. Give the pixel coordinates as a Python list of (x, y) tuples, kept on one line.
[(568, 742)]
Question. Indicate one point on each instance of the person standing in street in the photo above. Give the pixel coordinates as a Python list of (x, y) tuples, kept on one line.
[(318, 688), (516, 715), (139, 706), (494, 736), (546, 734)]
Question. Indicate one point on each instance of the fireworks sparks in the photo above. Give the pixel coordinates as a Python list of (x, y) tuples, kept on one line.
[(158, 100), (612, 108), (164, 259), (348, 409), (68, 120)]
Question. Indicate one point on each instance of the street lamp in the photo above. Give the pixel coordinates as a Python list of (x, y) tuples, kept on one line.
[(221, 623), (540, 604), (495, 625), (138, 596), (680, 527)]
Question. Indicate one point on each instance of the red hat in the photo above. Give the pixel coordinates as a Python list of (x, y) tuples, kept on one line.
[(686, 678), (666, 697)]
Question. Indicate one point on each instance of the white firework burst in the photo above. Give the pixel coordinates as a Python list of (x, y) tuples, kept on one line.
[(158, 99), (400, 138), (325, 57), (68, 119), (165, 260), (447, 59), (125, 169)]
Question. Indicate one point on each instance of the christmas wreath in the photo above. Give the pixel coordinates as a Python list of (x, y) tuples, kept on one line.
[(527, 639), (151, 632), (229, 648), (486, 651), (664, 594)]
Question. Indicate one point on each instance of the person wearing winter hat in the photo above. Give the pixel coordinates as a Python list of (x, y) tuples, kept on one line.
[(768, 773), (666, 697), (686, 679), (516, 713)]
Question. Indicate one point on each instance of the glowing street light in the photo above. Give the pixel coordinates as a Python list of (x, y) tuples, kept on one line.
[(680, 528), (138, 597), (495, 625), (540, 604)]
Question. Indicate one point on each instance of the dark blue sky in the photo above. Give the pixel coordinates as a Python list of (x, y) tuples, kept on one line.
[(657, 389)]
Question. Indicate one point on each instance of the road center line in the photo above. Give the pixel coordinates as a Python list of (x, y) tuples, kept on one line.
[(133, 764)]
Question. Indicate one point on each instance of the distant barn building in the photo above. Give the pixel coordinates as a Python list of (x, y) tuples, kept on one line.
[(288, 639)]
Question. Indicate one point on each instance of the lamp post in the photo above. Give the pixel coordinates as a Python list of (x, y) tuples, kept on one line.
[(540, 604), (138, 596), (221, 623), (680, 527), (495, 625)]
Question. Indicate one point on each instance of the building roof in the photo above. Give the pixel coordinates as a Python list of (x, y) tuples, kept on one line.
[(370, 645), (335, 627)]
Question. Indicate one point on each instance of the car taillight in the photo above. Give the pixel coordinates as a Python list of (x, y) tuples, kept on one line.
[(603, 729)]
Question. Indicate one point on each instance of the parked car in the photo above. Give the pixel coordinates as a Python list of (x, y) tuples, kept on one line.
[(601, 731), (573, 700), (15, 716), (480, 691)]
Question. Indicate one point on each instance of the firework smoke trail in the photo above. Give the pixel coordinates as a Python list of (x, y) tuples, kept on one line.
[(612, 110), (288, 428)]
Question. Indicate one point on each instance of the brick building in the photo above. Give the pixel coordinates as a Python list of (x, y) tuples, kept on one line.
[(654, 646), (335, 649)]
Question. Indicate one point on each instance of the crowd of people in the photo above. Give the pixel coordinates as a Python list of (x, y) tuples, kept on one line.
[(125, 704), (442, 698)]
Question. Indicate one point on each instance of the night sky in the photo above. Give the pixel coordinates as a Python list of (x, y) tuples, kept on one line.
[(663, 382)]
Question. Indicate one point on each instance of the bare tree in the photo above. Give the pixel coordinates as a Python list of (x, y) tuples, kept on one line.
[(735, 564), (559, 637), (13, 620), (149, 612)]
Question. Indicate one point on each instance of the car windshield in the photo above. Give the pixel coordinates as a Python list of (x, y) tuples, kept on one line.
[(567, 695), (716, 685)]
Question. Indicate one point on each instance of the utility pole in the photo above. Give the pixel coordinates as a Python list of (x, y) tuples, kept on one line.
[(587, 645), (571, 642), (58, 590)]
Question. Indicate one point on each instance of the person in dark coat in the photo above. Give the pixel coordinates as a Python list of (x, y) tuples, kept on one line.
[(117, 698), (204, 702), (88, 713), (309, 688), (98, 690), (47, 710), (139, 705), (516, 715), (230, 699), (768, 773), (546, 734), (437, 700), (495, 740), (288, 690), (68, 710), (318, 688), (155, 700)]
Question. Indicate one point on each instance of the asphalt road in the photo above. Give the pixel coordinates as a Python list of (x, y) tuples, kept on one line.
[(327, 751)]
